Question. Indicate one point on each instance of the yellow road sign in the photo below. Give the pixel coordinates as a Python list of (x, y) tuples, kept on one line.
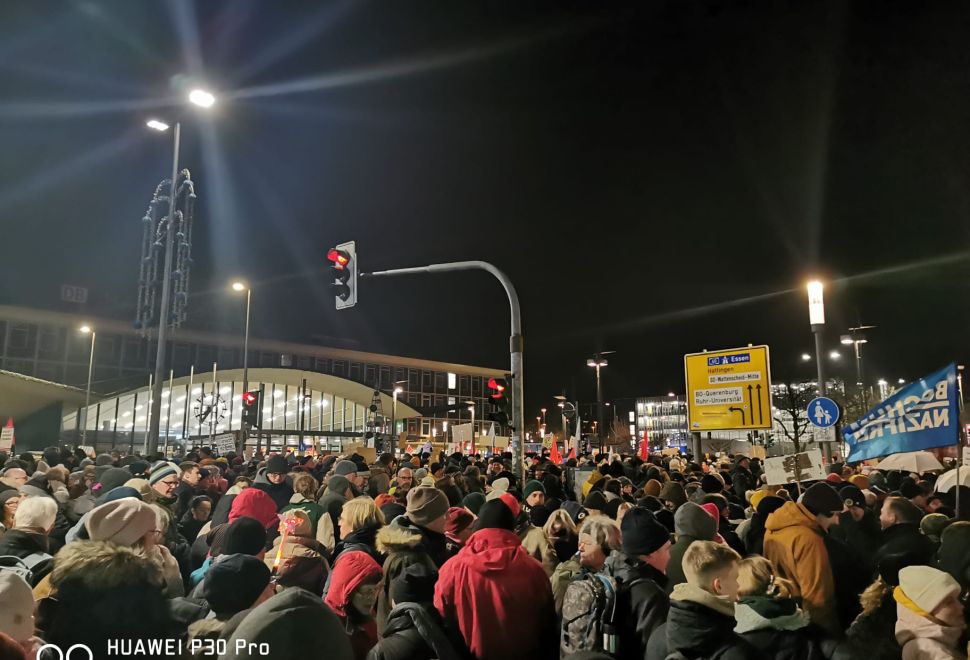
[(728, 389)]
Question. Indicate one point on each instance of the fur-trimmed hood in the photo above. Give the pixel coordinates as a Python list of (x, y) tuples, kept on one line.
[(400, 536)]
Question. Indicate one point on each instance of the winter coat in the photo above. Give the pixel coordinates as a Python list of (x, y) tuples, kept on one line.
[(492, 587), (281, 493), (642, 602), (873, 634), (776, 627), (356, 569), (923, 639), (404, 544), (699, 625), (303, 561), (906, 538), (183, 498), (363, 539), (849, 578), (413, 632), (536, 543), (754, 538), (864, 537), (74, 509), (565, 573), (23, 543), (322, 525), (795, 546), (691, 523), (379, 482)]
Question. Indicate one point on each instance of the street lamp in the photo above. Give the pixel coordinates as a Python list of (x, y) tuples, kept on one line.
[(806, 357), (835, 355), (397, 390), (856, 338), (239, 287), (202, 99), (87, 330), (598, 362), (816, 316)]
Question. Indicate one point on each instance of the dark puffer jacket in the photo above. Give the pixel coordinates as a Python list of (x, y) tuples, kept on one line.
[(777, 628), (404, 544), (413, 632)]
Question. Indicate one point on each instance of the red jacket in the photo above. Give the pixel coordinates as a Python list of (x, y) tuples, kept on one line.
[(498, 598), (254, 503)]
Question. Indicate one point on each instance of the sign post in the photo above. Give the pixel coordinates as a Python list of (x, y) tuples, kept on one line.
[(729, 389)]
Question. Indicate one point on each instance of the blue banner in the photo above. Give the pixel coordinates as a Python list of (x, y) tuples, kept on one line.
[(921, 415)]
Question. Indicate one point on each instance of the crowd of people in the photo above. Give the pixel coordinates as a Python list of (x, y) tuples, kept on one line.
[(457, 556)]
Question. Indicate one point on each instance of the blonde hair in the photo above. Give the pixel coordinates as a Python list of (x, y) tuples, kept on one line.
[(361, 512), (756, 577), (306, 485), (562, 518), (604, 532), (705, 559)]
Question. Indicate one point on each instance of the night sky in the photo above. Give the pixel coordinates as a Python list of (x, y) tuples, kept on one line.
[(656, 177)]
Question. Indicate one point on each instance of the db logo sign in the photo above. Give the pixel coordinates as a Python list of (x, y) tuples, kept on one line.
[(54, 652)]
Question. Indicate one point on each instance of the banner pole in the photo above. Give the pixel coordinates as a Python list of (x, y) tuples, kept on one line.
[(959, 436)]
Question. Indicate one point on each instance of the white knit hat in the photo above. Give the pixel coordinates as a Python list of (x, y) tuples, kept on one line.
[(16, 607), (926, 586), (122, 521)]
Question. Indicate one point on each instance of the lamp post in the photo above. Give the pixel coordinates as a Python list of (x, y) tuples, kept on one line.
[(397, 390), (856, 338), (239, 287), (816, 316), (598, 362), (87, 330), (203, 99), (471, 409)]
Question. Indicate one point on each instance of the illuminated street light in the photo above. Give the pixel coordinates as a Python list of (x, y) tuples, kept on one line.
[(201, 98), (806, 357), (835, 355), (157, 124)]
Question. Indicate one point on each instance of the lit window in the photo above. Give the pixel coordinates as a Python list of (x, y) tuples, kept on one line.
[(452, 381)]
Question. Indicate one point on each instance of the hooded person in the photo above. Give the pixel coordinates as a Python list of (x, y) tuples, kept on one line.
[(413, 630), (294, 625), (333, 499), (754, 542), (296, 558), (691, 524), (304, 489), (930, 621), (417, 537), (673, 495), (640, 573), (768, 615), (353, 596), (277, 486), (795, 545), (479, 592)]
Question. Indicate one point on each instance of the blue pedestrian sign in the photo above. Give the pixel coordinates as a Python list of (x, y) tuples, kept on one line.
[(823, 412)]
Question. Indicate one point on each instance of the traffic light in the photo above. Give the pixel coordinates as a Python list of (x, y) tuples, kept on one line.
[(343, 274), (252, 410), (501, 400)]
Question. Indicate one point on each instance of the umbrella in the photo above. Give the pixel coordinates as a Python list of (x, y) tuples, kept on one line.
[(913, 461), (948, 480)]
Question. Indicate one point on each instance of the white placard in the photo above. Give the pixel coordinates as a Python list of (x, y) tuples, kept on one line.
[(781, 469)]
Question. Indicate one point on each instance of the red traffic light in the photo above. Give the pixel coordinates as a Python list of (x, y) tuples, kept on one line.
[(249, 399), (498, 387), (338, 258)]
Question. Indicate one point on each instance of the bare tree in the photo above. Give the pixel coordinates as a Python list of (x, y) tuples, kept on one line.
[(794, 402)]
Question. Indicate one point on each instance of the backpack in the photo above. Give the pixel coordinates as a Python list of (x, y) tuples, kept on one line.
[(23, 567), (588, 614)]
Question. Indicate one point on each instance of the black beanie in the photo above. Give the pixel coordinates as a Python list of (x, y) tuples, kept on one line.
[(246, 536), (539, 515), (234, 582), (595, 500), (642, 534), (277, 463), (821, 499), (768, 505), (495, 515), (414, 585), (909, 489), (711, 484), (616, 469), (612, 507)]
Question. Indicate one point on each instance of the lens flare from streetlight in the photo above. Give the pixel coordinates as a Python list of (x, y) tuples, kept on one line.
[(201, 98)]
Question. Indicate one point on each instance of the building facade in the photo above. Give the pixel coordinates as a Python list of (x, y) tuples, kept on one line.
[(664, 420), (48, 345)]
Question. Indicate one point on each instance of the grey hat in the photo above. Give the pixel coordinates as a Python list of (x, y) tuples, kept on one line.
[(345, 467), (338, 484)]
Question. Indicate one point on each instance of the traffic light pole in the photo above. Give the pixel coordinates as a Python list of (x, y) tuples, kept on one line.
[(515, 341)]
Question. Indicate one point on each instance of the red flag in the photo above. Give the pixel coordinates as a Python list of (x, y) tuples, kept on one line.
[(645, 447), (554, 454), (572, 453)]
